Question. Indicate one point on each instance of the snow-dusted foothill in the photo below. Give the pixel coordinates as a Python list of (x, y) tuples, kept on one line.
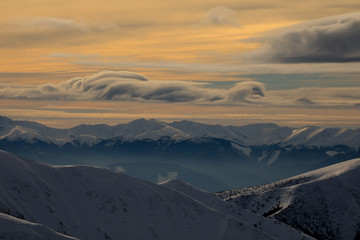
[(324, 203), (273, 227)]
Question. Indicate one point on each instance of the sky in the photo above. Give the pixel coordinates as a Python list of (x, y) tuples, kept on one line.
[(229, 62)]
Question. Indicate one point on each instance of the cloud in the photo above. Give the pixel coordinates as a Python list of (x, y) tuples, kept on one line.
[(170, 175), (121, 86), (119, 169), (241, 91), (220, 16), (73, 55), (129, 86), (332, 39), (244, 68), (315, 97), (47, 30), (305, 100), (49, 23)]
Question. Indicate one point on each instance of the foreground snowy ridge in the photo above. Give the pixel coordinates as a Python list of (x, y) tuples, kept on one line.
[(324, 203), (93, 203), (15, 228)]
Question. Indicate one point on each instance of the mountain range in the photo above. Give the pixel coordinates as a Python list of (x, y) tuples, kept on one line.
[(212, 157), (248, 135)]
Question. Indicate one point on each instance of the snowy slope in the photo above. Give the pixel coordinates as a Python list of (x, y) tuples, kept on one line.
[(271, 226), (321, 137), (324, 203), (24, 133), (18, 229), (204, 130), (143, 128), (93, 203), (30, 131)]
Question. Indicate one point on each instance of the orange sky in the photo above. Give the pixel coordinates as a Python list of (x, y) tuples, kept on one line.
[(49, 42)]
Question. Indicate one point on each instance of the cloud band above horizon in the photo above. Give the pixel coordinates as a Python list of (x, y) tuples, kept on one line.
[(134, 87), (129, 86)]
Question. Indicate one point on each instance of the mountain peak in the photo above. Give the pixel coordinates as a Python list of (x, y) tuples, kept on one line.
[(146, 124), (143, 120), (261, 125)]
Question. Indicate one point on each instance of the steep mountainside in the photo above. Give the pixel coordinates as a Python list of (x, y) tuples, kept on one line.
[(324, 203), (93, 203), (270, 226)]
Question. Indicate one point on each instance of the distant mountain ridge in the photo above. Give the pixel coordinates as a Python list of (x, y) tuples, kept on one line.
[(248, 135), (212, 157)]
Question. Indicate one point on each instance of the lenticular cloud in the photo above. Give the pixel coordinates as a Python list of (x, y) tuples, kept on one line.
[(134, 87), (130, 86)]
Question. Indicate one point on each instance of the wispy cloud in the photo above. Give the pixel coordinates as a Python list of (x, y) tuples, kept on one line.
[(332, 39), (315, 97), (73, 55), (47, 31), (242, 68), (220, 15)]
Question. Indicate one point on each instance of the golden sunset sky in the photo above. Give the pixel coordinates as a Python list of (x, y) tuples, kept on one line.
[(293, 63)]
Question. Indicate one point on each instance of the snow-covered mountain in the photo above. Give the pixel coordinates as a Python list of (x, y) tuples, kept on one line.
[(272, 227), (324, 203), (212, 157), (38, 201), (248, 135)]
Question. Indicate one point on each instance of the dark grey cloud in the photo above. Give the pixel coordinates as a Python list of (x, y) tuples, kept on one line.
[(333, 39), (129, 86)]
